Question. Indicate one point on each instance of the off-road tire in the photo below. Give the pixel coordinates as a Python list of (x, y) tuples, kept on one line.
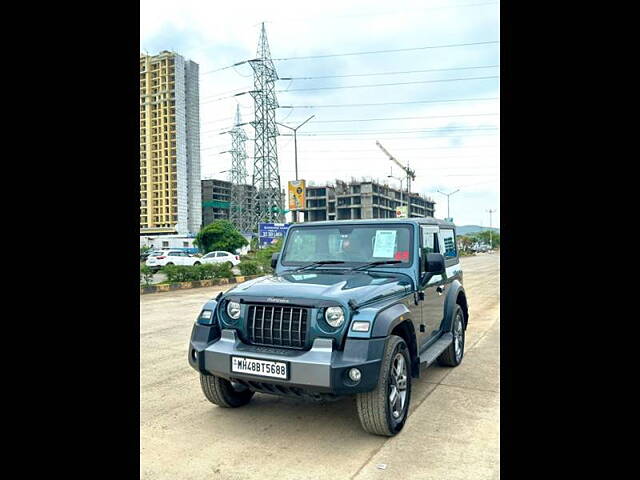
[(373, 407), (220, 392), (448, 357)]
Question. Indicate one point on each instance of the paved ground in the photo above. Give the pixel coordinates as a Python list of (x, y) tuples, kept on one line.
[(452, 431)]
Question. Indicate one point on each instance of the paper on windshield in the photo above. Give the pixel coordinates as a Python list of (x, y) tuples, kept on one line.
[(385, 243)]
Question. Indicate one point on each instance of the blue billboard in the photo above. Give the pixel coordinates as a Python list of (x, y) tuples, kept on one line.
[(269, 233)]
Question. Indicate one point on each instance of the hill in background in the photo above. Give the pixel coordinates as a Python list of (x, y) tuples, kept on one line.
[(467, 229)]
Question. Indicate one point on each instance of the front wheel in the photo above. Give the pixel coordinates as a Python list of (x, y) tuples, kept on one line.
[(383, 411), (223, 393)]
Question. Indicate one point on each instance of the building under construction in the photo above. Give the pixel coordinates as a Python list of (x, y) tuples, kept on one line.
[(216, 199), (363, 199)]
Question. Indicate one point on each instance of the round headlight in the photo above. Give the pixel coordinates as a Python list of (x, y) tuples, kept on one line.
[(334, 316), (233, 310)]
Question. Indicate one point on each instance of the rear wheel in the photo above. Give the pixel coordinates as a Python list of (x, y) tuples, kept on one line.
[(452, 356), (230, 264), (223, 393), (197, 263), (383, 411)]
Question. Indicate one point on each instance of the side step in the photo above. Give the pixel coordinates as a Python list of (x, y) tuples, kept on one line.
[(430, 355)]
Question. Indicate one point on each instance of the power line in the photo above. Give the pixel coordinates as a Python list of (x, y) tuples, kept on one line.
[(358, 120), (404, 138), (388, 103), (391, 84), (372, 132), (388, 73), (451, 45), (404, 118)]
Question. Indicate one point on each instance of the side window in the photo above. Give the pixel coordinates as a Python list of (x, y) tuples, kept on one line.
[(220, 254), (430, 242), (449, 241)]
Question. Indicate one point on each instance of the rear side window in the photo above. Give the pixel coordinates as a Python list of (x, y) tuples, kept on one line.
[(449, 241), (175, 254)]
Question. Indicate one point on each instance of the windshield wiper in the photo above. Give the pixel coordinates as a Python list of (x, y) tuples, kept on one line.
[(317, 264), (373, 264)]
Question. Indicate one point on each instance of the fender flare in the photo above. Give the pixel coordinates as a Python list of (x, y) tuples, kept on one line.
[(450, 302), (387, 319)]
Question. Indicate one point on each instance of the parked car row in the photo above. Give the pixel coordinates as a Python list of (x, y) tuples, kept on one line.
[(160, 258)]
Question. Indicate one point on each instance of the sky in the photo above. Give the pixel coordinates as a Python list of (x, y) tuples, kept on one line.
[(449, 134)]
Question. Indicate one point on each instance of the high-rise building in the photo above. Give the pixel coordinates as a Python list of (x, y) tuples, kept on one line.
[(170, 196)]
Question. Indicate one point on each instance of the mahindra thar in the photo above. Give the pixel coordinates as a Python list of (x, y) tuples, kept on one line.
[(352, 308)]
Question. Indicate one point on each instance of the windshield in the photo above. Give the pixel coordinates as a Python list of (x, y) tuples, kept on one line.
[(351, 244)]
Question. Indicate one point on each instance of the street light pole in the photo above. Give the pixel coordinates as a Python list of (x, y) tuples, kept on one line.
[(295, 149), (448, 195), (490, 231), (295, 139)]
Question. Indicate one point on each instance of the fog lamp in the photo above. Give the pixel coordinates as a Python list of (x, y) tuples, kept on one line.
[(355, 375)]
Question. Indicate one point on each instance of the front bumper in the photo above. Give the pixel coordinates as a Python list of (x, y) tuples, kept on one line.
[(322, 369)]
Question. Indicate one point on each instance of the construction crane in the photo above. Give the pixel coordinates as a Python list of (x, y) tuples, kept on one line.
[(411, 174)]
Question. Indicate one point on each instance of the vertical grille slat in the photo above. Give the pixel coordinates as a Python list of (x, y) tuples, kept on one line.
[(286, 326)]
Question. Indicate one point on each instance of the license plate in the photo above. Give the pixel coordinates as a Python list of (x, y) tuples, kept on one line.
[(263, 368)]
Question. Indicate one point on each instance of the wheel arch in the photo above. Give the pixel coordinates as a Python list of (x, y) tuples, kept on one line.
[(396, 320), (455, 296)]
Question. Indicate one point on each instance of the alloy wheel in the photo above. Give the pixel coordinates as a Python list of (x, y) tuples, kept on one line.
[(398, 386), (458, 337)]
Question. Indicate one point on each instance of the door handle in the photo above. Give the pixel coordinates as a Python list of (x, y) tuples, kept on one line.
[(440, 290)]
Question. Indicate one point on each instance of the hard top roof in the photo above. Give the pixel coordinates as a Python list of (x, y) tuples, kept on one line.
[(418, 221)]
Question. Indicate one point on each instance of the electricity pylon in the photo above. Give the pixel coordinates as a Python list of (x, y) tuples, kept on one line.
[(267, 198), (240, 213)]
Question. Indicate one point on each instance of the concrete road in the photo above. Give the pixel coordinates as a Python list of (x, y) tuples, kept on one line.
[(452, 431)]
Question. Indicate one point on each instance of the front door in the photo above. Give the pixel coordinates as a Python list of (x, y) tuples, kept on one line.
[(434, 291)]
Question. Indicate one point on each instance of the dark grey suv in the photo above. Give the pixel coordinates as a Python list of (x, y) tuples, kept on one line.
[(353, 308)]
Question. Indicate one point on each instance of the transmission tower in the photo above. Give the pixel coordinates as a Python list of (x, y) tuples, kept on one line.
[(267, 198), (240, 212)]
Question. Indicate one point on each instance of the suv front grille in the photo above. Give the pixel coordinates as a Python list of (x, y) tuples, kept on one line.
[(277, 326)]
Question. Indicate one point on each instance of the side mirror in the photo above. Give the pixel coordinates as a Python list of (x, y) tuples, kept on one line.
[(434, 263), (274, 260)]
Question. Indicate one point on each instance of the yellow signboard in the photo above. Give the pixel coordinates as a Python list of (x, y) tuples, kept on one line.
[(296, 195)]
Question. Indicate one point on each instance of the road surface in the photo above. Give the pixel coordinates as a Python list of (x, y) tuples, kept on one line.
[(452, 431)]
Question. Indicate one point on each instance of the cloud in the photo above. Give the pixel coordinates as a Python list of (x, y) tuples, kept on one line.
[(218, 34)]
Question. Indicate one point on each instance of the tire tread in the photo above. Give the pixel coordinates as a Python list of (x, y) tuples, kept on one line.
[(372, 406)]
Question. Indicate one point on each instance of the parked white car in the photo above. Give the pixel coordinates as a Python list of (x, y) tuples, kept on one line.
[(161, 258), (221, 257)]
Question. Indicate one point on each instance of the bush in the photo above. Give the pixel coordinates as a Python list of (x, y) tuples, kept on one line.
[(222, 270), (249, 267), (180, 273), (263, 255), (187, 273), (146, 275)]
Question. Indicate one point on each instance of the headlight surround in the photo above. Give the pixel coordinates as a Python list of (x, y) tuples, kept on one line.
[(233, 310), (334, 316)]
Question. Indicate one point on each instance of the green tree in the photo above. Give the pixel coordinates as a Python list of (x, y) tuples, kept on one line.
[(219, 235), (488, 237)]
